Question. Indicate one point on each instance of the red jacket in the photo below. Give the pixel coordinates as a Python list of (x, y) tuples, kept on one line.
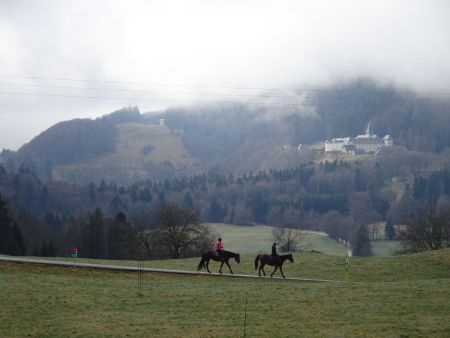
[(219, 246)]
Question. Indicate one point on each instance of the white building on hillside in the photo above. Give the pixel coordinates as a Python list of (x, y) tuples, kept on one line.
[(366, 143)]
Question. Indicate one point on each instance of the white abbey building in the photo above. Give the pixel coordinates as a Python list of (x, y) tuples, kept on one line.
[(367, 143)]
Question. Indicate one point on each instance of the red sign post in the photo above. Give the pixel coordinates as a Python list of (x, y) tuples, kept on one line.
[(73, 252)]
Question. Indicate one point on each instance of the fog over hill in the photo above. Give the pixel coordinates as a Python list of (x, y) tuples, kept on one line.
[(126, 146)]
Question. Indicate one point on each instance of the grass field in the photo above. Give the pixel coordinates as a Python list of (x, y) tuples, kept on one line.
[(258, 238), (385, 248), (402, 296)]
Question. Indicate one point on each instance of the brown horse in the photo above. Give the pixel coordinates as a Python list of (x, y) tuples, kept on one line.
[(270, 260), (223, 257)]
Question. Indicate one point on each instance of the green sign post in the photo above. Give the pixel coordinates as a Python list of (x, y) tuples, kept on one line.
[(346, 272)]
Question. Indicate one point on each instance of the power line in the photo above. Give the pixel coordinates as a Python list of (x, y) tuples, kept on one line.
[(146, 91), (142, 91), (298, 90), (138, 83), (306, 102), (310, 99), (156, 100), (186, 93)]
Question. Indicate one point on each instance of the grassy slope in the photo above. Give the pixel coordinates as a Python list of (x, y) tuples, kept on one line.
[(128, 157), (53, 301)]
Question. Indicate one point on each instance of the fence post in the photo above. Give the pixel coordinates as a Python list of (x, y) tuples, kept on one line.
[(245, 314), (140, 277), (346, 272)]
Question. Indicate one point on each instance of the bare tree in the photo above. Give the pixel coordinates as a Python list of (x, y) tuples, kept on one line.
[(429, 232), (289, 239), (180, 232)]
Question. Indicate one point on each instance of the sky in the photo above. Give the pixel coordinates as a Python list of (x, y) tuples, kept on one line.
[(61, 60)]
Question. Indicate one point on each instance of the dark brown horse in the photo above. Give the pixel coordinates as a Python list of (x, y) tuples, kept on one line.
[(223, 257), (264, 259)]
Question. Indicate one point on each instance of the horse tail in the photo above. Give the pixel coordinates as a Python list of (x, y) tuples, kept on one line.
[(257, 261), (201, 264)]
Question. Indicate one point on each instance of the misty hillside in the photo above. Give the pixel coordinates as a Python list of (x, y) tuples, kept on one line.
[(127, 146)]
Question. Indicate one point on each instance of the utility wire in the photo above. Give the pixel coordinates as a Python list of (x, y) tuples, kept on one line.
[(298, 90), (143, 91), (155, 100), (305, 102), (262, 95), (137, 83)]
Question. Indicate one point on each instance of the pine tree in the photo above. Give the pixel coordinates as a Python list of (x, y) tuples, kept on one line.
[(361, 245), (216, 211), (187, 200), (11, 241), (5, 221), (122, 241), (92, 236), (97, 234)]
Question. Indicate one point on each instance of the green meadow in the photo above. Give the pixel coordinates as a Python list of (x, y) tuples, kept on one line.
[(399, 296), (258, 238)]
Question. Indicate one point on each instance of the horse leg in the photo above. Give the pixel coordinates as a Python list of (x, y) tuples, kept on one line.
[(276, 268), (220, 270), (262, 268), (229, 267), (207, 265), (281, 270)]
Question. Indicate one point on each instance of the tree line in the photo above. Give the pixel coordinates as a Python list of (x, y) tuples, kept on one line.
[(337, 197), (177, 233)]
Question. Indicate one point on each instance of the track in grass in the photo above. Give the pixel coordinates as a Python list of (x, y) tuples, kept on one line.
[(168, 271)]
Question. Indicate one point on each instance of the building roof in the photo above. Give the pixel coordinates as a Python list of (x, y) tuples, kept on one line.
[(373, 140)]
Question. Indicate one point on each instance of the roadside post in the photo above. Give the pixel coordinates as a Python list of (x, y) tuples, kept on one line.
[(245, 314), (346, 272), (140, 277), (74, 252)]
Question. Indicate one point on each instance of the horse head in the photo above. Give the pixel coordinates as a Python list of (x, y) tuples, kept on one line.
[(237, 258), (291, 259)]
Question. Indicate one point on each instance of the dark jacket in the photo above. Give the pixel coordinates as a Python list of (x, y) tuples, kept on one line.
[(274, 250)]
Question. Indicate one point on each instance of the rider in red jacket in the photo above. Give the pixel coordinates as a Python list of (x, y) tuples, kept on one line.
[(219, 247)]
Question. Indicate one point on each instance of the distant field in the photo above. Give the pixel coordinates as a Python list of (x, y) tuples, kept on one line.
[(385, 248), (401, 296), (258, 238)]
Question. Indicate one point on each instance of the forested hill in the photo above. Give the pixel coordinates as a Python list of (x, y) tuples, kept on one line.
[(418, 122), (126, 146), (70, 142)]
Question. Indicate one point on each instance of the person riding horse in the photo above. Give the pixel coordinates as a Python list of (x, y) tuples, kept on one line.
[(274, 255), (219, 248)]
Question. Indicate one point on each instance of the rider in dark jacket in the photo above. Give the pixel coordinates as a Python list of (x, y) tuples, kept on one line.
[(274, 253)]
